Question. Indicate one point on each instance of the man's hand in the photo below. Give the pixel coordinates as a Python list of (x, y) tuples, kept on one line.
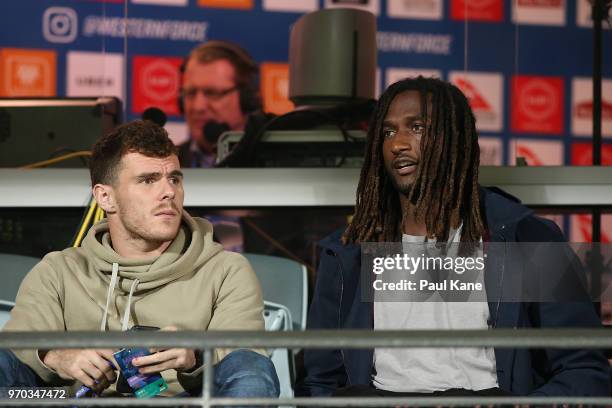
[(178, 359), (94, 368)]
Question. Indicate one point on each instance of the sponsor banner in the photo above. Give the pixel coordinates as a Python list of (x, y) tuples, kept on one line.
[(291, 5), (162, 2), (581, 228), (537, 104), (582, 154), (155, 82), (477, 10), (145, 28), (395, 74), (27, 72), (491, 151), (231, 4), (536, 152), (275, 87), (94, 74), (414, 43), (373, 6), (485, 93), (177, 131), (417, 9), (542, 12), (582, 107), (584, 15), (60, 25)]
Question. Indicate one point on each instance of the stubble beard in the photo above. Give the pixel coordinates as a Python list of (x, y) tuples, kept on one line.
[(403, 188), (139, 230)]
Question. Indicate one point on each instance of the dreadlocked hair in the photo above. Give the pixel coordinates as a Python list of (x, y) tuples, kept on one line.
[(445, 190)]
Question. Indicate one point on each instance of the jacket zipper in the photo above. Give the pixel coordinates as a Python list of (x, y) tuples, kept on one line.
[(348, 376), (501, 280)]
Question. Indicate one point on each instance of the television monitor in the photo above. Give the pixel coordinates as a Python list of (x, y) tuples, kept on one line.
[(37, 129)]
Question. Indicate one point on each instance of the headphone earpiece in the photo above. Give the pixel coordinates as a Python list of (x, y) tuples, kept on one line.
[(180, 102), (249, 99)]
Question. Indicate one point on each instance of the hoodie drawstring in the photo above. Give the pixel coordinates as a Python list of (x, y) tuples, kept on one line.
[(126, 312), (111, 288)]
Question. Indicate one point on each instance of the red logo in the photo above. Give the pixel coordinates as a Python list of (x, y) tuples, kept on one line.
[(582, 154), (156, 82), (480, 10), (529, 155), (540, 3), (537, 104), (584, 226), (477, 101), (584, 110)]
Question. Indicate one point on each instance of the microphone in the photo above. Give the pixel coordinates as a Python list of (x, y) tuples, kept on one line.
[(155, 115), (212, 130)]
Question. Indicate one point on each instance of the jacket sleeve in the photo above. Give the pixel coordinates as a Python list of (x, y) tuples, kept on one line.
[(325, 369), (38, 307), (572, 372), (238, 306)]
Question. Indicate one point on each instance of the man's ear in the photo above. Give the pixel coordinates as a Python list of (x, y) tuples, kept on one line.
[(105, 197)]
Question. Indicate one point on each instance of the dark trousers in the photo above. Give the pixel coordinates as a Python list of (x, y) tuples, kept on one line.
[(371, 391)]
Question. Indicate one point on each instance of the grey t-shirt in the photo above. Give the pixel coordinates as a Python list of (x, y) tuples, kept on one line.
[(432, 369)]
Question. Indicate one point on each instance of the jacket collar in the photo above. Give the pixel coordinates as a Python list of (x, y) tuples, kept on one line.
[(501, 212)]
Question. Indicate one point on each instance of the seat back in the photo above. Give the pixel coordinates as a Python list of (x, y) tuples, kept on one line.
[(13, 268), (5, 312), (285, 282), (285, 291)]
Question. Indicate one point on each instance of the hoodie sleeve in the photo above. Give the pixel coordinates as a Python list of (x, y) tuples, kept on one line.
[(38, 307), (239, 306)]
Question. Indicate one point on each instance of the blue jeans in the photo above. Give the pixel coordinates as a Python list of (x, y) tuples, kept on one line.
[(14, 373), (242, 373)]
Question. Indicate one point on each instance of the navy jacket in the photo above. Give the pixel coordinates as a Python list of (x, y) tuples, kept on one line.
[(337, 304)]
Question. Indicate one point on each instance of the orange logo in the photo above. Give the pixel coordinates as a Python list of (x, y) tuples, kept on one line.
[(27, 72), (233, 4), (275, 87)]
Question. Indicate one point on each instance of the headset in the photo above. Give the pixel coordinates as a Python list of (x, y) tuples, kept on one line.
[(246, 69)]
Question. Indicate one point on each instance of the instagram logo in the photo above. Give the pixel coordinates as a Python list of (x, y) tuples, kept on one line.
[(60, 25)]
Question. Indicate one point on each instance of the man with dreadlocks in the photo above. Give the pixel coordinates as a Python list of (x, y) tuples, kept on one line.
[(419, 183)]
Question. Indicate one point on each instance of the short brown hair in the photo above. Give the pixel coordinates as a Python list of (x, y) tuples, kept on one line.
[(246, 68), (138, 136)]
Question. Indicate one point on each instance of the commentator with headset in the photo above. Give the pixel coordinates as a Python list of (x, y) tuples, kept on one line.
[(218, 92)]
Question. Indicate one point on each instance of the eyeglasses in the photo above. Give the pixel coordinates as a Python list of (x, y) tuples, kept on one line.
[(209, 93)]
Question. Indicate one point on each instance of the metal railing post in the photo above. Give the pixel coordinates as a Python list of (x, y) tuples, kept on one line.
[(208, 377)]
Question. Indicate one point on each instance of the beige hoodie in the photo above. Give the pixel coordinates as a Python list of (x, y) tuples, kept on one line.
[(193, 285)]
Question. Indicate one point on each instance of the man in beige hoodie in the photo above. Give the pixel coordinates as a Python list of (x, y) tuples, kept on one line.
[(149, 263)]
